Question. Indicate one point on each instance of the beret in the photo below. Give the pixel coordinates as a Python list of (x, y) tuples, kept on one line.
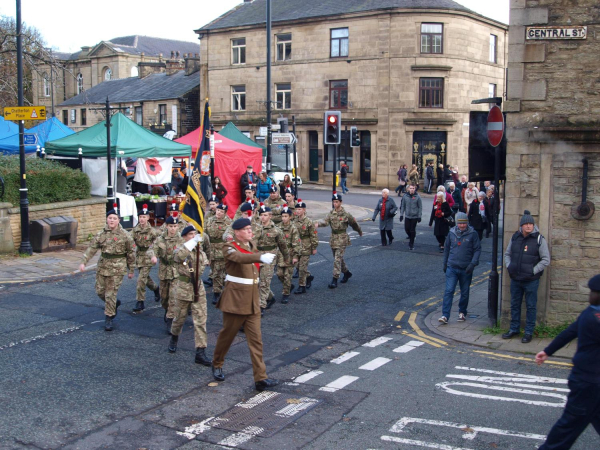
[(187, 229), (594, 283), (241, 223)]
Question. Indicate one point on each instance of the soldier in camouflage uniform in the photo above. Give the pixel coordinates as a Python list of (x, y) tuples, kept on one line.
[(285, 267), (309, 241), (290, 201), (215, 230), (190, 292), (250, 197), (268, 238), (164, 247), (276, 204), (339, 220), (117, 258), (144, 237), (245, 212), (212, 208)]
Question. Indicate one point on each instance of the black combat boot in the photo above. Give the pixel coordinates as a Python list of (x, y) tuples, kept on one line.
[(218, 373), (169, 324), (173, 343), (108, 326), (346, 277), (285, 299), (157, 294), (270, 301), (333, 283), (216, 297), (116, 308), (139, 306), (300, 290), (309, 280), (296, 274), (201, 357)]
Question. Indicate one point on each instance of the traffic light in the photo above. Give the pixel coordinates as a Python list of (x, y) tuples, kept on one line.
[(354, 137), (332, 127), (283, 123)]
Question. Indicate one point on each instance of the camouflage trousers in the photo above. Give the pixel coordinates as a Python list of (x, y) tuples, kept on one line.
[(264, 286), (217, 270), (303, 272), (107, 288), (184, 293), (339, 265), (285, 276), (167, 297), (143, 281)]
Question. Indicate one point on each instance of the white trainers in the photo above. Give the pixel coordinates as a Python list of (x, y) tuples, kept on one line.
[(443, 320), (461, 317)]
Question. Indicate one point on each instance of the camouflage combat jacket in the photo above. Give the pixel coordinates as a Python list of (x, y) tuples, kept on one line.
[(185, 265), (292, 242), (339, 221), (210, 215), (144, 239), (216, 229), (276, 207), (117, 249), (164, 248), (269, 238), (308, 235)]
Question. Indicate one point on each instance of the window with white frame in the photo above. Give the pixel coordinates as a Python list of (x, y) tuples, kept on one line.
[(238, 51), (491, 90), (79, 83), (339, 42), (283, 92), (432, 37), (238, 98), (46, 86), (284, 47), (493, 46)]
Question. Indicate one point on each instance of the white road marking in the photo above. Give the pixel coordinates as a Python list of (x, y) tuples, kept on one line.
[(294, 408), (411, 345), (239, 438), (366, 248), (421, 443), (96, 321), (194, 430), (257, 399), (518, 375), (317, 262), (498, 380), (41, 336), (338, 384), (376, 342), (307, 376), (375, 364), (345, 357)]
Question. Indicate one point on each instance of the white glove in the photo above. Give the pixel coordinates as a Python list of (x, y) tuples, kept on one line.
[(190, 244), (198, 237), (267, 258)]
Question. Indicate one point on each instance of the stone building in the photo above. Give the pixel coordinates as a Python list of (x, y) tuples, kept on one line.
[(553, 125), (403, 73)]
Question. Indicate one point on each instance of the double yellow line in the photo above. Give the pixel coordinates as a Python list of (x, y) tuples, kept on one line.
[(420, 335)]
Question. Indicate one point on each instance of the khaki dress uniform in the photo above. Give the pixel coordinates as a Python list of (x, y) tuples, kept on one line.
[(116, 259), (285, 267), (165, 247), (339, 221), (309, 240), (269, 238), (216, 229), (240, 305), (144, 238)]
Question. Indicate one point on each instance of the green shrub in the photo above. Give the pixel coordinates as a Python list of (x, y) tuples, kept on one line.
[(47, 181)]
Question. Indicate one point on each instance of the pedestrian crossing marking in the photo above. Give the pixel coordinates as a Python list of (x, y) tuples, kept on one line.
[(375, 364), (376, 342), (521, 358), (308, 376), (338, 384), (427, 341), (411, 345), (345, 357)]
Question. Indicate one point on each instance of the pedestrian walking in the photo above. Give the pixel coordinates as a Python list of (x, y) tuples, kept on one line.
[(117, 258), (309, 241), (344, 168), (583, 402), (439, 171), (339, 220), (429, 178), (525, 258), (456, 196), (144, 237), (479, 215), (447, 195), (215, 231), (413, 177), (461, 254), (411, 206), (402, 176), (386, 210), (441, 216), (240, 305), (469, 194), (285, 266)]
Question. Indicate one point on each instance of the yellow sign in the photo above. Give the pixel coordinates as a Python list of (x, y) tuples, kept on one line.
[(16, 113)]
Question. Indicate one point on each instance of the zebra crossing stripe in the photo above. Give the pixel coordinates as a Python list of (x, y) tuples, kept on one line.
[(338, 384), (376, 342), (375, 364), (345, 357)]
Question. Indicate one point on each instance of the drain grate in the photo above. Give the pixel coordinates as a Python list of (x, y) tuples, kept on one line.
[(264, 414)]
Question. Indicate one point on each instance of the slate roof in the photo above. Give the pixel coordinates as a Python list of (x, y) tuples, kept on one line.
[(156, 86), (284, 10)]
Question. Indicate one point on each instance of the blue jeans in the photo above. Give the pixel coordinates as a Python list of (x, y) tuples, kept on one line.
[(454, 277), (344, 188), (517, 290)]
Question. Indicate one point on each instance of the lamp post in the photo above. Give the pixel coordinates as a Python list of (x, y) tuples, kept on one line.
[(268, 85)]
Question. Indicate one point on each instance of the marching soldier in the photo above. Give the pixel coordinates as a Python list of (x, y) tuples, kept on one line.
[(215, 230), (250, 198), (290, 200), (285, 267), (268, 239), (116, 259), (309, 240), (144, 237), (190, 261), (276, 204), (212, 208), (167, 272), (339, 220)]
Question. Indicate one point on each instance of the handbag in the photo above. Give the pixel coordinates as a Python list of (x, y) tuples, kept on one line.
[(450, 220), (402, 183)]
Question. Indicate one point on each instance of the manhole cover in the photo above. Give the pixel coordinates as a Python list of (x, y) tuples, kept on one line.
[(264, 414)]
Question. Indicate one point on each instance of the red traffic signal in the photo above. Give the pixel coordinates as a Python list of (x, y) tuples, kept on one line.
[(332, 119)]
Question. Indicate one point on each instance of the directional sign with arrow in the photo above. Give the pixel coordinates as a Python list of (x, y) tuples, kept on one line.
[(283, 139)]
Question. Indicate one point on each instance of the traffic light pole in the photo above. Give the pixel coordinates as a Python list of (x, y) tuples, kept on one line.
[(295, 161)]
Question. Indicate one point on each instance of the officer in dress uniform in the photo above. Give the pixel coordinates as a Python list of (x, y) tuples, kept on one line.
[(339, 220), (285, 267), (144, 237), (275, 203), (190, 261), (117, 257), (215, 230), (309, 240), (240, 303)]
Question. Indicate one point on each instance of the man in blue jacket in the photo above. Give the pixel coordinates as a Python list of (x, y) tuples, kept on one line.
[(461, 254), (583, 403)]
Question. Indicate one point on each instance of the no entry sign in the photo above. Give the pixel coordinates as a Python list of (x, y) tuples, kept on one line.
[(495, 127)]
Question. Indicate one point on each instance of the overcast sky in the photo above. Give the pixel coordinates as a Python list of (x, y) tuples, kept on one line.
[(67, 25)]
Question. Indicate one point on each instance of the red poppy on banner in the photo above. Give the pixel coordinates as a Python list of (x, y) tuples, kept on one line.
[(205, 164), (152, 166)]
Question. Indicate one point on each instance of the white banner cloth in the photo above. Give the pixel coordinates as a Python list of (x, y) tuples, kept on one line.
[(153, 170)]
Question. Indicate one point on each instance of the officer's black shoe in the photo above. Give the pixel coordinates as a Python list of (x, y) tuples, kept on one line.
[(309, 280), (208, 282), (218, 373), (285, 299), (346, 277), (169, 324), (300, 290), (333, 283), (271, 301), (527, 339), (139, 306), (296, 274), (108, 326), (215, 298), (157, 295), (265, 384), (201, 357), (173, 343), (510, 334)]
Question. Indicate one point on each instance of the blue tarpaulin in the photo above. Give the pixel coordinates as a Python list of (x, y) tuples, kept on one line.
[(49, 130)]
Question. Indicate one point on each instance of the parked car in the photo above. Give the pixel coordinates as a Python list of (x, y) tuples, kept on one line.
[(277, 173)]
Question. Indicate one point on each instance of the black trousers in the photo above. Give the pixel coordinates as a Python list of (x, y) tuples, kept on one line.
[(410, 226), (389, 234), (441, 240), (583, 408), (480, 234)]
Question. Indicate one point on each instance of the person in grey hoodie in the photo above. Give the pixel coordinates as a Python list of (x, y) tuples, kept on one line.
[(461, 254), (411, 207)]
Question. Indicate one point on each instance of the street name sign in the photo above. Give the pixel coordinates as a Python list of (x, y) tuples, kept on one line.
[(16, 113), (495, 126), (30, 139), (545, 33), (283, 138), (263, 131)]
